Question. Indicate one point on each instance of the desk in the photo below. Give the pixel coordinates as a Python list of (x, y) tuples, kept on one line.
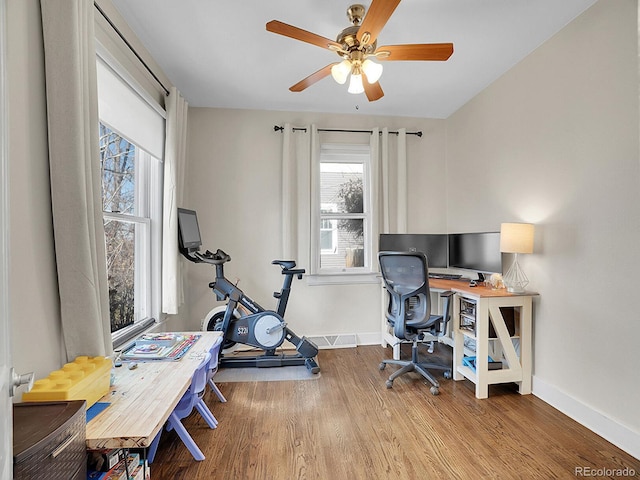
[(516, 367), (143, 398)]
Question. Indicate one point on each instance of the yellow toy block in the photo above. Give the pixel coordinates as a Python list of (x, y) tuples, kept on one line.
[(86, 378)]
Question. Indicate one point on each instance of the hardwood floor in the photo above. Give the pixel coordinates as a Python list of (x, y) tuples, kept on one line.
[(347, 425)]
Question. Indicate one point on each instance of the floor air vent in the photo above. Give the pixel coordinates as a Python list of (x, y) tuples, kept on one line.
[(344, 340)]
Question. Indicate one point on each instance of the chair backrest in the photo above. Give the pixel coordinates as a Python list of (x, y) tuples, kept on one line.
[(193, 393), (215, 353), (406, 279), (199, 379)]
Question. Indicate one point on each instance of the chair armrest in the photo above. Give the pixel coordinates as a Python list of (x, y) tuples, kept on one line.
[(446, 315)]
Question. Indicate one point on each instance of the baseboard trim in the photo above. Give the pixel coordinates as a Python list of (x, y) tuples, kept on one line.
[(609, 429), (371, 338)]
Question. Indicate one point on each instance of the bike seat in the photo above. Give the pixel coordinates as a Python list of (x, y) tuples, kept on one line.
[(287, 264)]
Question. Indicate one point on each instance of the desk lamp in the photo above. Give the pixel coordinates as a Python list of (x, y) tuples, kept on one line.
[(516, 238)]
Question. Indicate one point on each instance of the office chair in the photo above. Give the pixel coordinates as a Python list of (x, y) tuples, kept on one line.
[(406, 279), (190, 400)]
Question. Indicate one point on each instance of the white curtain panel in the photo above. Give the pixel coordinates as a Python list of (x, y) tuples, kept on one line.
[(174, 165), (74, 163), (377, 205), (385, 157), (300, 150), (401, 226)]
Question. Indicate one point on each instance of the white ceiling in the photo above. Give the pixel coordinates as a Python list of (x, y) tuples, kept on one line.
[(219, 54)]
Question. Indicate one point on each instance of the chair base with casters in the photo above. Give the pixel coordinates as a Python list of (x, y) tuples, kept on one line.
[(414, 365)]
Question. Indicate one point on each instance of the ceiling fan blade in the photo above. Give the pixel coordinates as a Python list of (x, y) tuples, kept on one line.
[(428, 51), (296, 33), (373, 91), (375, 19), (313, 78)]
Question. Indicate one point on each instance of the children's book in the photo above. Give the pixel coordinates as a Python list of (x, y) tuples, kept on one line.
[(159, 339), (157, 352)]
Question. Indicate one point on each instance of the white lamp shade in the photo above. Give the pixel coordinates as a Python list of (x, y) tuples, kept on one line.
[(340, 71), (355, 85), (372, 70), (516, 237)]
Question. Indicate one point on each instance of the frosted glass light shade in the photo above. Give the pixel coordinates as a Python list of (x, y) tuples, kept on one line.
[(372, 70), (340, 71), (516, 238), (355, 85)]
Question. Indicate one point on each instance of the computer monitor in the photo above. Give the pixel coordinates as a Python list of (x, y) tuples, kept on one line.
[(475, 251), (433, 245), (188, 231)]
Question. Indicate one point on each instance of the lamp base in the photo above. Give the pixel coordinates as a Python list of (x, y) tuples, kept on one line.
[(515, 289), (515, 280)]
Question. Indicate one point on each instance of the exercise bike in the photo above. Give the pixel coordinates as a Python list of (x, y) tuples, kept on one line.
[(242, 320)]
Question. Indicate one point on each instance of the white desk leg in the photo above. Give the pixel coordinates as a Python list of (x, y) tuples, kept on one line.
[(525, 345), (458, 338), (482, 349)]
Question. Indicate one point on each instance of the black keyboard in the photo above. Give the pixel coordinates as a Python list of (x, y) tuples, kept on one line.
[(445, 276)]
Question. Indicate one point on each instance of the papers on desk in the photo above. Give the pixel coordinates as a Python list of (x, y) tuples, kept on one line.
[(157, 351)]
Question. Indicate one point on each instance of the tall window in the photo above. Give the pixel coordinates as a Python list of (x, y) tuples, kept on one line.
[(345, 213), (126, 182), (131, 146)]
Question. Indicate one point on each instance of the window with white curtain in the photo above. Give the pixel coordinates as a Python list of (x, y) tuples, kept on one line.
[(131, 148), (344, 229)]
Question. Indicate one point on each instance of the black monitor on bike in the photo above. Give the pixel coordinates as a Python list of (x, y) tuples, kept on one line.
[(188, 231)]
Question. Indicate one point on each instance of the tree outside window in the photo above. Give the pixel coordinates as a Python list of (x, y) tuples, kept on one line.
[(341, 185)]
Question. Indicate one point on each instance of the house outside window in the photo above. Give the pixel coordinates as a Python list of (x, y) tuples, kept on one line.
[(345, 212)]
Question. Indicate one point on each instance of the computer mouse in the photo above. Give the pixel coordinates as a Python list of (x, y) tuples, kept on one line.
[(472, 283)]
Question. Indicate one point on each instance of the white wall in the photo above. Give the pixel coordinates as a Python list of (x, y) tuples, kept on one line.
[(234, 183), (35, 309), (555, 142)]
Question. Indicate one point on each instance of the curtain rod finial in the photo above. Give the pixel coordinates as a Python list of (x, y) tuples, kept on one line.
[(277, 128)]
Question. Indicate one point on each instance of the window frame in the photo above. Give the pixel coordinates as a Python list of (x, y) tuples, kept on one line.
[(148, 258), (343, 153)]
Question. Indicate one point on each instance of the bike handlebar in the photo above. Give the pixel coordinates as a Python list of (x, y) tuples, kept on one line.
[(217, 258)]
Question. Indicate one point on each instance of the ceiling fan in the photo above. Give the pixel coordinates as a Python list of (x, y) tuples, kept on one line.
[(357, 45)]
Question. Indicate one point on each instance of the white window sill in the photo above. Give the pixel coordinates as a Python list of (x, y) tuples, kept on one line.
[(343, 278), (122, 338)]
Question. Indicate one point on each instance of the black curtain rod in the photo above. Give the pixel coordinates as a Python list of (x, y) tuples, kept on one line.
[(130, 47), (278, 128)]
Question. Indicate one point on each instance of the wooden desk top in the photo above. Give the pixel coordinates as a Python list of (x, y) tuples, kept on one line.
[(142, 399), (462, 286)]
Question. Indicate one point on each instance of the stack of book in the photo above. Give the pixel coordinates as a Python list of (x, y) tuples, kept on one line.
[(160, 346), (112, 465)]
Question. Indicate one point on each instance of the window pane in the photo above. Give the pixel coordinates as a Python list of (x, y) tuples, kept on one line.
[(117, 160), (341, 185), (349, 251), (120, 243)]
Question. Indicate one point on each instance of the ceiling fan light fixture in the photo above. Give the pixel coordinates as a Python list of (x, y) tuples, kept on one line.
[(372, 70), (340, 71), (355, 84)]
